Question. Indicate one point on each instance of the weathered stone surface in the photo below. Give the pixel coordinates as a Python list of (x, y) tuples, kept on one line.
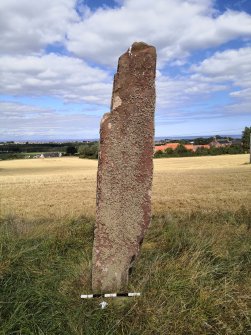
[(125, 169)]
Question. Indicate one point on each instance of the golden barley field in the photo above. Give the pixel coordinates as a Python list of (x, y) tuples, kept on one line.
[(65, 187)]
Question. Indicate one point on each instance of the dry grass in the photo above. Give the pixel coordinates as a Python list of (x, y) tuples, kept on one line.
[(201, 183), (65, 187), (48, 188)]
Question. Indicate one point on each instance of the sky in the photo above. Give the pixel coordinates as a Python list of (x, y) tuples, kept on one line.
[(58, 58)]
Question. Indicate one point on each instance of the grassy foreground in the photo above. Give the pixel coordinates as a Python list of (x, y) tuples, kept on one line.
[(194, 274)]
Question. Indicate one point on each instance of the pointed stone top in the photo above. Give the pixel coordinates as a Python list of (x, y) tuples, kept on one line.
[(137, 46)]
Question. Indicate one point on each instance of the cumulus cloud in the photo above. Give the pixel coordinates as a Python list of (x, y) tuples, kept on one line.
[(64, 77), (232, 67), (231, 64), (185, 98), (228, 71), (178, 97), (88, 43), (175, 27), (28, 26), (183, 89)]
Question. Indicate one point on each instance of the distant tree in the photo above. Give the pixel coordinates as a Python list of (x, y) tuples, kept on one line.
[(169, 152), (216, 151), (246, 138), (235, 149), (158, 154), (11, 148), (202, 151), (202, 140), (89, 150), (71, 150), (181, 151), (183, 141)]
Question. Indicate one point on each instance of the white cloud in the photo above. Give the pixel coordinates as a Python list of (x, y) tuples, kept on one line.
[(185, 98), (12, 110), (178, 97), (52, 75), (226, 63), (28, 26), (180, 90), (230, 66), (175, 27), (228, 71), (22, 121)]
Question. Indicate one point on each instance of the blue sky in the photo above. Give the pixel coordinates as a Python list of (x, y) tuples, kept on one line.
[(57, 61)]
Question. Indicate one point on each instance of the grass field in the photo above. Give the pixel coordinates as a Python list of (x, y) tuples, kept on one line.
[(194, 271)]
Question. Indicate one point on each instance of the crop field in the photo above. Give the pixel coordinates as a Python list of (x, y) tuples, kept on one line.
[(63, 187), (194, 270)]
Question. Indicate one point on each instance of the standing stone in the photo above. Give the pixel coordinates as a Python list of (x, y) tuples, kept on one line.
[(125, 169)]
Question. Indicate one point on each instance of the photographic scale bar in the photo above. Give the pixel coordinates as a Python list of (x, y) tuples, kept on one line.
[(109, 295)]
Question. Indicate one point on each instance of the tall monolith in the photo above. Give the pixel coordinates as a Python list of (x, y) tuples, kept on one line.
[(125, 170)]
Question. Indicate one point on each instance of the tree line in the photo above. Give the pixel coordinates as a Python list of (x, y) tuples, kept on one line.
[(11, 150), (181, 151), (90, 149)]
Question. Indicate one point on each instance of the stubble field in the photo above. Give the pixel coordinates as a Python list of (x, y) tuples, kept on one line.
[(64, 187), (194, 270)]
